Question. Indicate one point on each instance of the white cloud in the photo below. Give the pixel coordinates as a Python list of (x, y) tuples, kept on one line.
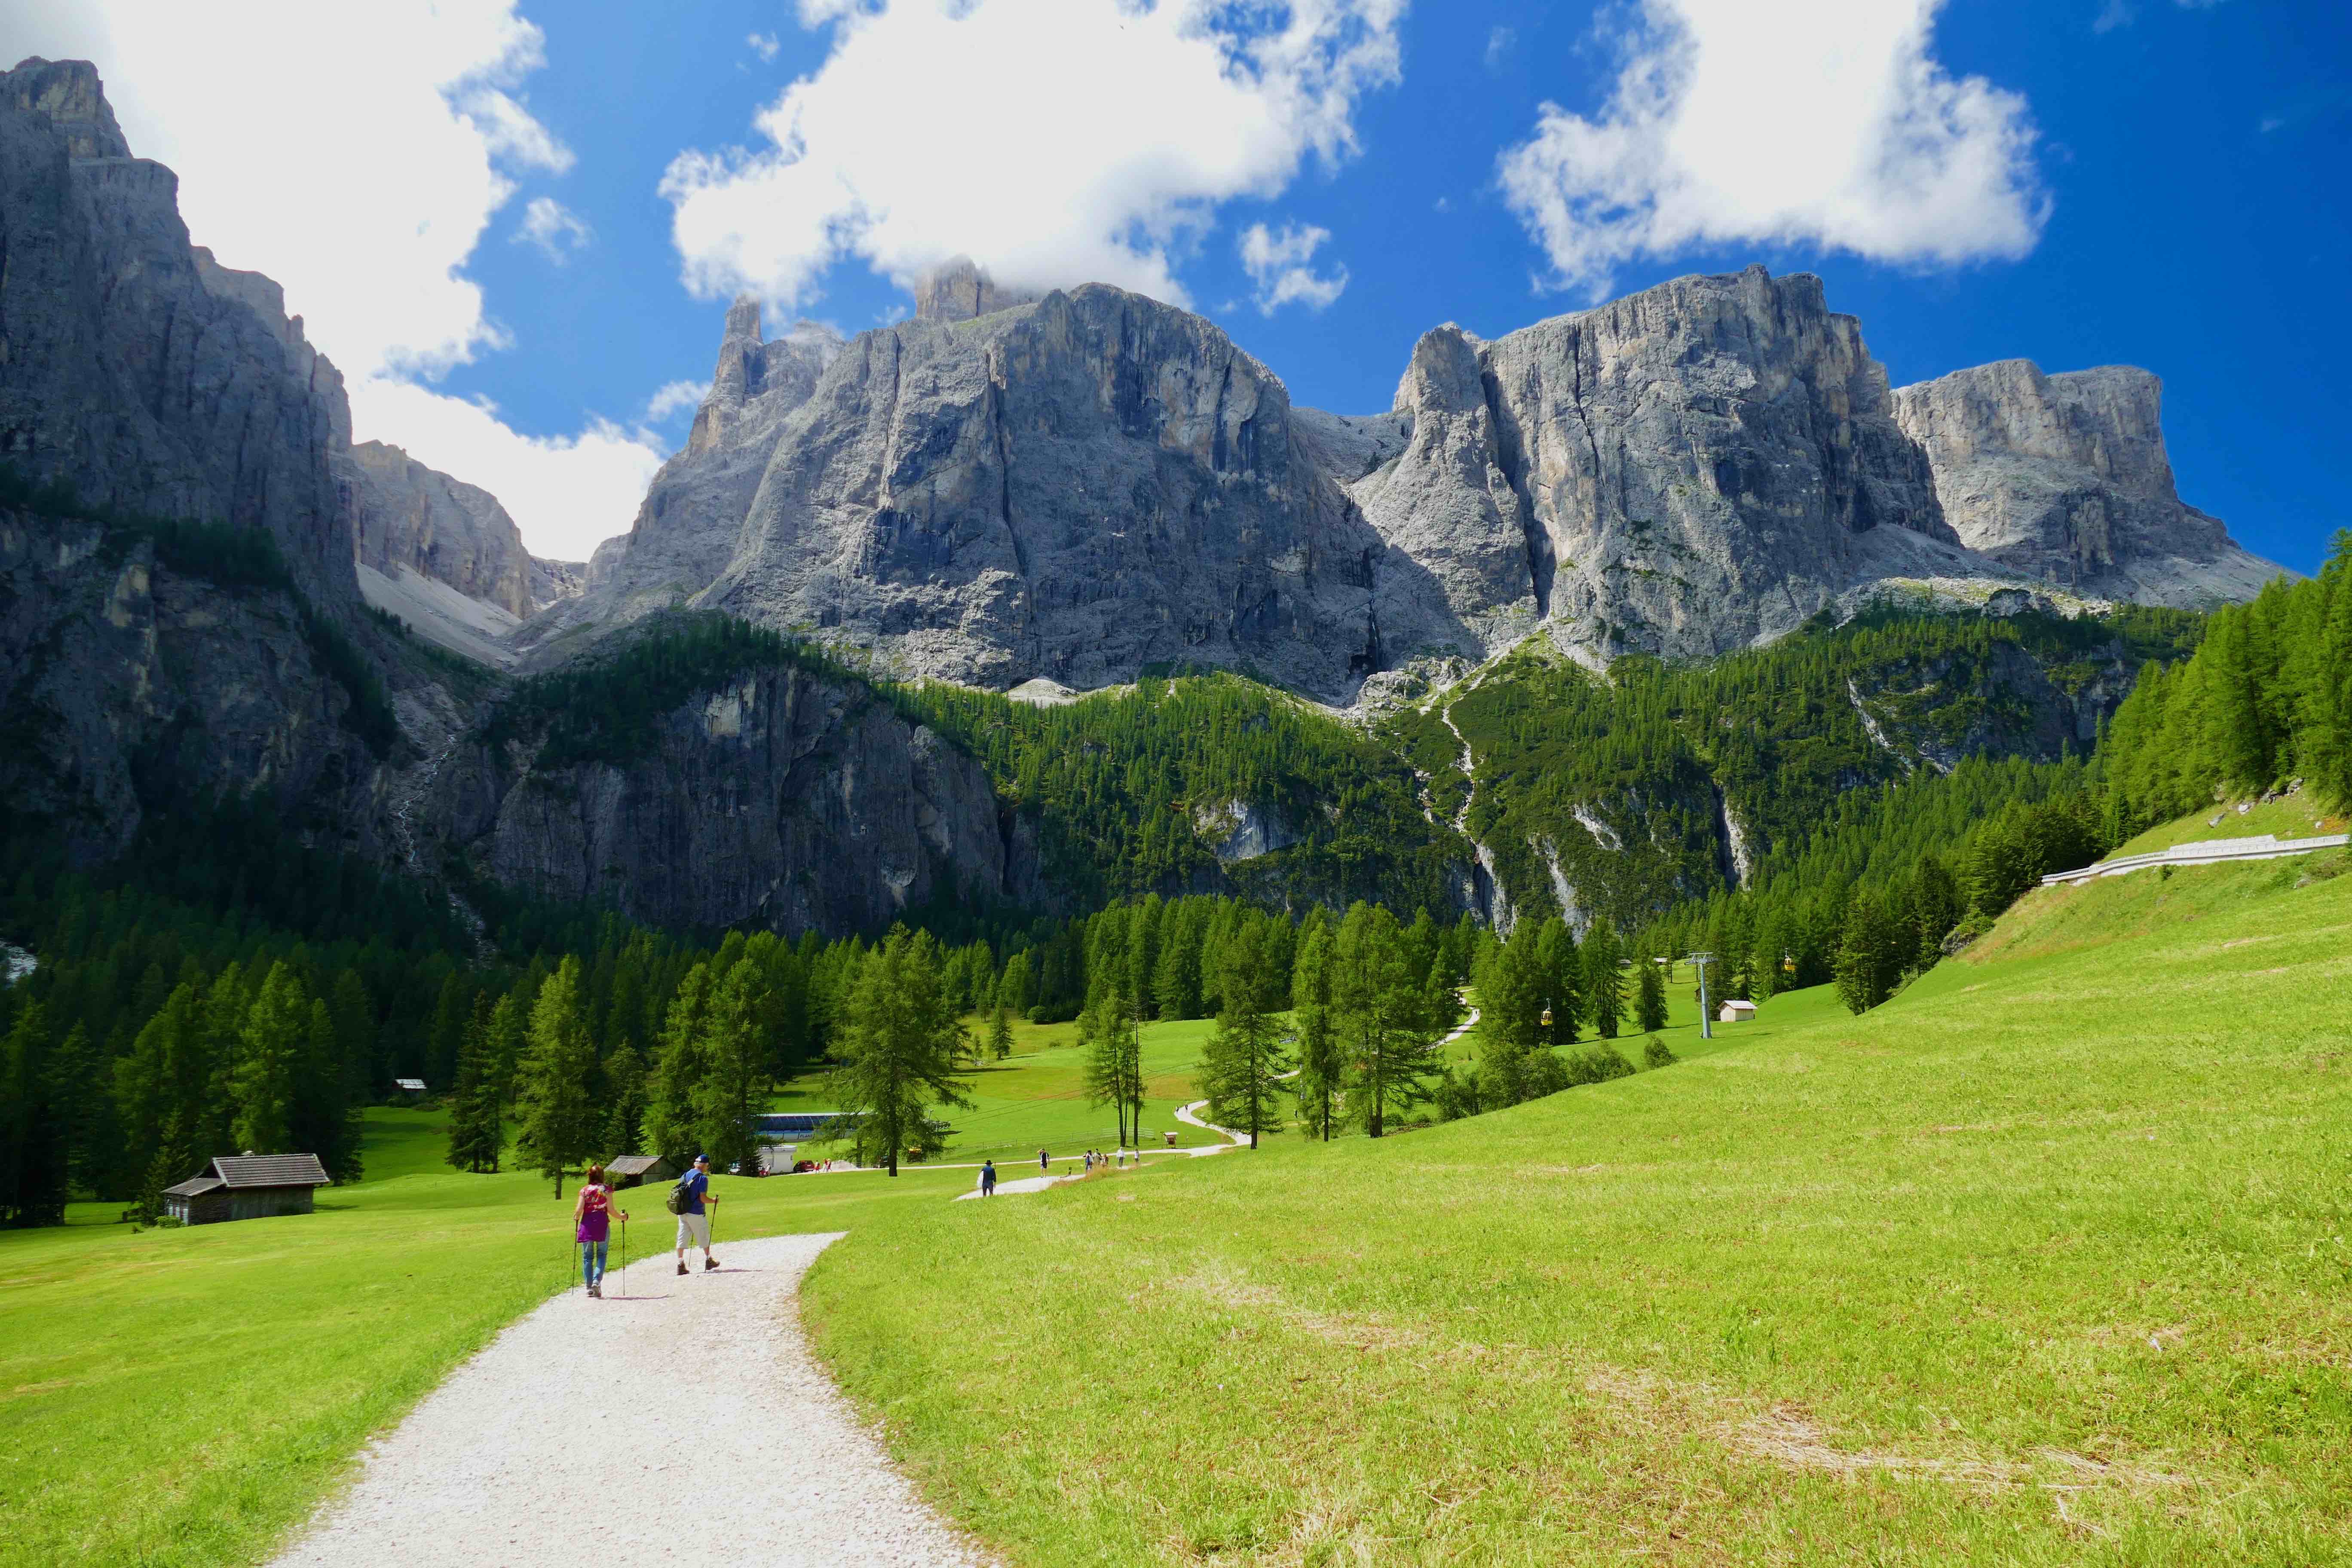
[(357, 155), (567, 494), (1500, 41), (765, 44), (1280, 265), (675, 398), (555, 228), (1055, 141), (1736, 122), (2113, 15)]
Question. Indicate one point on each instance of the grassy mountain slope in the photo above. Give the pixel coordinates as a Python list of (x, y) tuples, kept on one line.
[(2043, 1261)]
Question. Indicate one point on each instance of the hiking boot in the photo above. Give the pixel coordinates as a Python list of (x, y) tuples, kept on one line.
[(597, 1291), (709, 1263), (681, 1266)]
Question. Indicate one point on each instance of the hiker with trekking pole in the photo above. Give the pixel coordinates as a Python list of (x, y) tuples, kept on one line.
[(686, 1200), (592, 1224)]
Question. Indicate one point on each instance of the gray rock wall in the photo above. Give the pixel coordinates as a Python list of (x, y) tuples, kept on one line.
[(133, 367), (404, 514), (1683, 471), (781, 798), (2065, 478)]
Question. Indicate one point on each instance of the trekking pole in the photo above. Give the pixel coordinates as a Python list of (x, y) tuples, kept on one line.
[(625, 1258)]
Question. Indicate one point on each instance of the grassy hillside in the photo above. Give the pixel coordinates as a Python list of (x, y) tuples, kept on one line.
[(2043, 1261), (184, 1396)]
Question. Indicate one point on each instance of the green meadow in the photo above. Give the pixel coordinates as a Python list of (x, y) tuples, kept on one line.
[(2045, 1261)]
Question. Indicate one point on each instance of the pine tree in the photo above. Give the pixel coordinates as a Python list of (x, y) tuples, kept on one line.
[(476, 1130), (558, 1123), (1868, 965), (276, 1027), (1108, 1031), (1604, 985), (1650, 999), (1322, 1069), (1000, 1034), (1561, 972), (1381, 1019), (1242, 1062), (899, 1045), (624, 1123), (733, 1086), (678, 1070)]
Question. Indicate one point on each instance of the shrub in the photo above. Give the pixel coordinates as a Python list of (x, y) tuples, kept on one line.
[(1655, 1053), (1596, 1063)]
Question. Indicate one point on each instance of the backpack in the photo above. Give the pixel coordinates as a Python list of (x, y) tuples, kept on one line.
[(676, 1200)]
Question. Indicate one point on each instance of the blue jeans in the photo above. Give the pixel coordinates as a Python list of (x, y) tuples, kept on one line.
[(592, 1262)]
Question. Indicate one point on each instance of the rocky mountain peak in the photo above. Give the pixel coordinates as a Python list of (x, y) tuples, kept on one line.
[(2065, 478), (68, 94), (961, 290), (756, 379)]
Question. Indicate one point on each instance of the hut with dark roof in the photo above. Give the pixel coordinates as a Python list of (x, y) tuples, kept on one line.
[(247, 1187), (633, 1170)]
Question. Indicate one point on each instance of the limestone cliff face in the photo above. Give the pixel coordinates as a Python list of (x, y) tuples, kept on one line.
[(420, 520), (123, 681), (2065, 478), (132, 365), (779, 798), (1069, 489), (1683, 471)]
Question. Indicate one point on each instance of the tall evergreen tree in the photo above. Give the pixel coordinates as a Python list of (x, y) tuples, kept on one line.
[(559, 1121), (1560, 972), (899, 1046), (1242, 1063), (1322, 1067), (276, 1027), (1000, 1034), (1381, 1019), (33, 1151), (733, 1086), (1868, 961), (670, 1116), (624, 1121), (1604, 985), (1650, 998), (477, 1127)]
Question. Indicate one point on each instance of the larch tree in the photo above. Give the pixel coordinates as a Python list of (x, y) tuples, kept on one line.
[(276, 1027), (1242, 1063), (1000, 1034), (476, 1128), (1604, 984), (1322, 1069), (899, 1045), (735, 1054), (558, 1119), (1382, 1019), (1650, 998), (679, 1068)]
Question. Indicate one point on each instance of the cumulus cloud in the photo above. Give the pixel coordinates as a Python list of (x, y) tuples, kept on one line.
[(765, 44), (675, 398), (1737, 122), (1280, 265), (357, 155), (568, 494), (555, 228), (1055, 141)]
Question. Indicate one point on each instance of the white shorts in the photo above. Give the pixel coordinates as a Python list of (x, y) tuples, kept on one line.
[(694, 1230)]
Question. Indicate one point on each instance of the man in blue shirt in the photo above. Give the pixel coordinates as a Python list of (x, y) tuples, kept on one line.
[(693, 1222)]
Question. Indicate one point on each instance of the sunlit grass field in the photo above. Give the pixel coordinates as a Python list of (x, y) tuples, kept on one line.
[(2043, 1262)]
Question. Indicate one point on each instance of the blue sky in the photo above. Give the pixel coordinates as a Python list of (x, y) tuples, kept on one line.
[(2153, 184)]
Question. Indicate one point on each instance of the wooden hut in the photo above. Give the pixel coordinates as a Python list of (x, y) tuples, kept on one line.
[(635, 1170), (412, 1089), (247, 1187), (1736, 1011)]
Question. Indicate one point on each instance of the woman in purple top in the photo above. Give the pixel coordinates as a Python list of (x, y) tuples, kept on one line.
[(591, 1219)]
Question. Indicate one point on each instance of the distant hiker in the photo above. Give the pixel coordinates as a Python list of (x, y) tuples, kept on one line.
[(686, 1200), (1044, 1162), (988, 1178), (592, 1221), (1091, 1162)]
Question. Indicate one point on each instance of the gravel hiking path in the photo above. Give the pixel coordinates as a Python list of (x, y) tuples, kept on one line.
[(686, 1422)]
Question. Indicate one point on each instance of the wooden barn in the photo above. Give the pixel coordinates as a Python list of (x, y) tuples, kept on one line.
[(247, 1187), (633, 1170)]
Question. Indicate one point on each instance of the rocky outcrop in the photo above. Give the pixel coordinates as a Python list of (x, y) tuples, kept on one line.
[(2065, 478), (133, 367), (780, 798), (1683, 471), (123, 680), (958, 290), (1071, 490), (407, 517), (552, 582)]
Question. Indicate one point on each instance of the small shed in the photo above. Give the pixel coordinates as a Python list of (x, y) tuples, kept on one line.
[(412, 1088), (247, 1187), (1736, 1011), (635, 1170)]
